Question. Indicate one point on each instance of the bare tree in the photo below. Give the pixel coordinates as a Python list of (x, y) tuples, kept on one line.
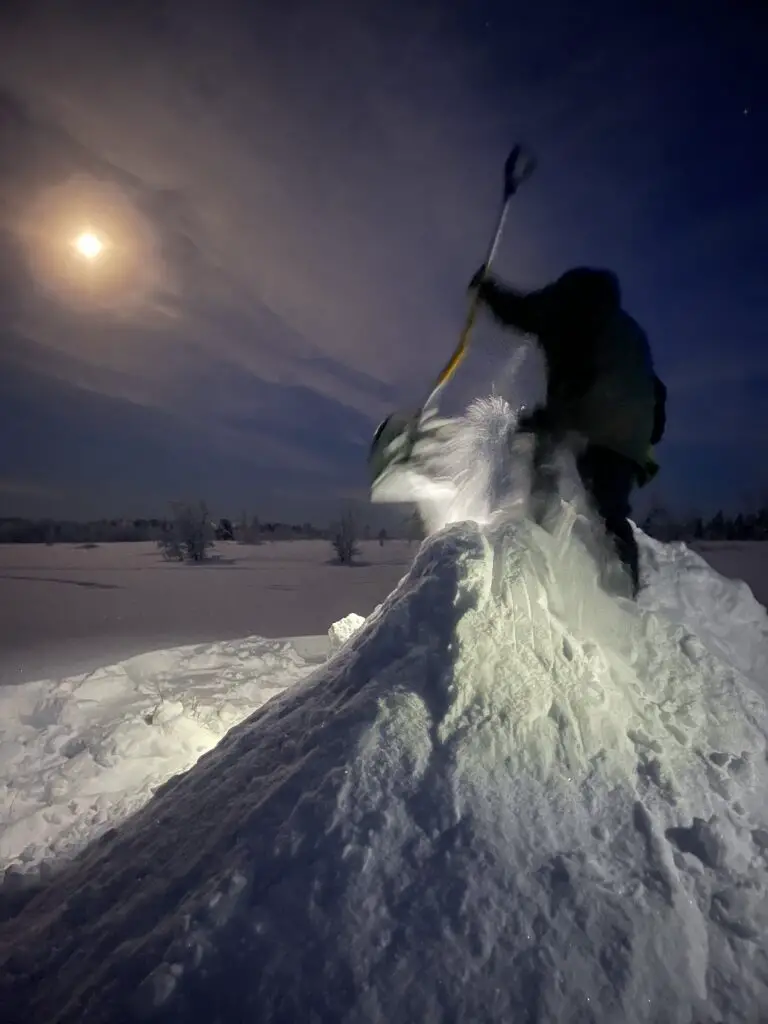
[(249, 530), (344, 536), (190, 534), (414, 527)]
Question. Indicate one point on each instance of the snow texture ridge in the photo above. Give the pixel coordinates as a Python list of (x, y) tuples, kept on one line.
[(79, 755), (722, 612), (508, 797)]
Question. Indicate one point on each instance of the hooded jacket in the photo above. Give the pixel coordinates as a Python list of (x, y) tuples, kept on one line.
[(600, 375)]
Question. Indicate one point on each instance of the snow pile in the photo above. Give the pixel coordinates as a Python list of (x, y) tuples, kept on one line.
[(341, 631), (724, 613), (79, 755), (508, 797)]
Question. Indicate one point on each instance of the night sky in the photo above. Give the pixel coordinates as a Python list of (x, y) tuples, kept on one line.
[(294, 195)]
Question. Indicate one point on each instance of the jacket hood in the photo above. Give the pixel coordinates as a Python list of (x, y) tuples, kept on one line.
[(588, 288)]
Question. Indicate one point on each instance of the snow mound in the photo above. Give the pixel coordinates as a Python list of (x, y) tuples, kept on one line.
[(724, 613), (509, 797), (79, 755), (341, 631)]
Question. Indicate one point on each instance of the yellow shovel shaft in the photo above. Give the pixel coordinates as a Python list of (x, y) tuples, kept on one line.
[(462, 347), (457, 357)]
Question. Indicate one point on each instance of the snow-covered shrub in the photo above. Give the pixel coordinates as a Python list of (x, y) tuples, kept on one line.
[(190, 534), (344, 538), (248, 530)]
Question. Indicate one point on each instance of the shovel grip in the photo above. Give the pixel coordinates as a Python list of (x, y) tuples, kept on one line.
[(518, 168)]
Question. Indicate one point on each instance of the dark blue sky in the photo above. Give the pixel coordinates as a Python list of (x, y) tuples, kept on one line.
[(295, 195)]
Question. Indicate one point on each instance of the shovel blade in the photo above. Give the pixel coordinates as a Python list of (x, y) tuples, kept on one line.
[(392, 443)]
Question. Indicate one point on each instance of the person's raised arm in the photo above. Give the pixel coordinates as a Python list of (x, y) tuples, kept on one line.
[(513, 308)]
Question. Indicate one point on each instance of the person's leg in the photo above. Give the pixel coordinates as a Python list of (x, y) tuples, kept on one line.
[(544, 480), (608, 479)]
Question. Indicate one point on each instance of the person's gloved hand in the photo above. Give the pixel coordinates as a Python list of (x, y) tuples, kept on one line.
[(478, 278)]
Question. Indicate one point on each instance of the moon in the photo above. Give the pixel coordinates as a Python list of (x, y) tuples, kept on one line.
[(91, 247), (88, 245)]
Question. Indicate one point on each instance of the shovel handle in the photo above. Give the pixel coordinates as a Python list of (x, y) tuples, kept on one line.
[(518, 168), (462, 346), (458, 354)]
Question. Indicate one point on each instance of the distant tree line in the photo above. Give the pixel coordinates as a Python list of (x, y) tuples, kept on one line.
[(659, 523), (246, 529), (55, 531), (109, 531)]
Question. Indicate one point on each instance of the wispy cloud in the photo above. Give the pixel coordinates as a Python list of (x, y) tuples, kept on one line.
[(306, 194), (27, 489)]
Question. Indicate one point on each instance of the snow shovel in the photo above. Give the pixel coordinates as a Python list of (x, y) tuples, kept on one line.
[(395, 439)]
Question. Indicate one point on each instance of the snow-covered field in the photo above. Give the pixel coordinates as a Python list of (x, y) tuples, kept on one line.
[(739, 560), (67, 609), (508, 797)]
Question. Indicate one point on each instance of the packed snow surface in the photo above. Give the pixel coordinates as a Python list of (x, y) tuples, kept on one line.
[(509, 796), (79, 755)]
